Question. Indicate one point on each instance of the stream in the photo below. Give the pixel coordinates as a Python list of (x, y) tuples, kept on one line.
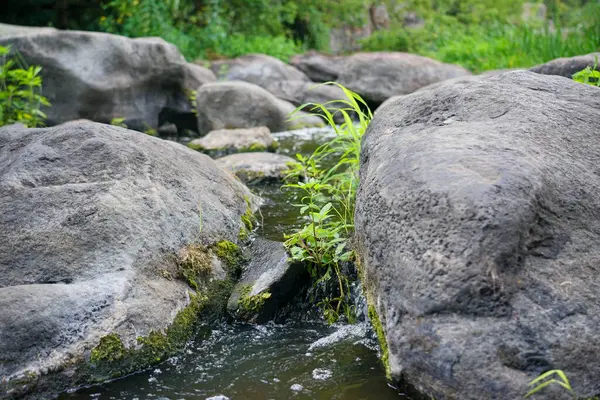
[(294, 360)]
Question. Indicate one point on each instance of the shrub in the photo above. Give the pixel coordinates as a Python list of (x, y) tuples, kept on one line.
[(20, 91)]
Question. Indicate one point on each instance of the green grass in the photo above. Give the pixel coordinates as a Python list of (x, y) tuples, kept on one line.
[(488, 47)]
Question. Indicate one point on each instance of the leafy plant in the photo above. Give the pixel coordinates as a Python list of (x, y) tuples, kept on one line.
[(589, 75), (20, 91), (326, 183), (546, 379), (542, 381), (118, 121)]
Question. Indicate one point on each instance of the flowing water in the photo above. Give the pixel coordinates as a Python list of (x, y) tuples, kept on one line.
[(295, 360)]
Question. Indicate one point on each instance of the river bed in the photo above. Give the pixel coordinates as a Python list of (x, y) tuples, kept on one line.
[(295, 360)]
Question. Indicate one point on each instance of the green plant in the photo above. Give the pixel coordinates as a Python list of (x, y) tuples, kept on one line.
[(327, 195), (118, 122), (192, 98), (20, 91), (542, 381), (589, 75)]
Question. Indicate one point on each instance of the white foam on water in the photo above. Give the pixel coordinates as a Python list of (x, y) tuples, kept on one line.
[(321, 374), (296, 387), (343, 333)]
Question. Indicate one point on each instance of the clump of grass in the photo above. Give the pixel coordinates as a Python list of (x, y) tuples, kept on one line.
[(327, 198)]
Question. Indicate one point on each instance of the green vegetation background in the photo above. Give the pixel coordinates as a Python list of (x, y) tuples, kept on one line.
[(478, 34)]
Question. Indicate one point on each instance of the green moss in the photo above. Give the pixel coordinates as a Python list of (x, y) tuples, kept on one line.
[(378, 328), (195, 146), (251, 304), (273, 146), (112, 359), (232, 255), (254, 147), (248, 218), (244, 234), (109, 349), (194, 264)]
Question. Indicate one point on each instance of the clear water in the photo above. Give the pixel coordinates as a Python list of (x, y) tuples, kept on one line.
[(297, 360), (240, 361)]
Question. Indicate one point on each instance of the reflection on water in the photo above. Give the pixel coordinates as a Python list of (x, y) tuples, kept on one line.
[(240, 361)]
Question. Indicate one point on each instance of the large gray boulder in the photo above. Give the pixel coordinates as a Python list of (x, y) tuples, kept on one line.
[(301, 92), (259, 69), (100, 229), (477, 224), (236, 104), (280, 79), (567, 66), (100, 76), (319, 67), (379, 76)]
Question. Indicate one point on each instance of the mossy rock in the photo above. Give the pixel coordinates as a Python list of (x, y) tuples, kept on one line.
[(196, 266)]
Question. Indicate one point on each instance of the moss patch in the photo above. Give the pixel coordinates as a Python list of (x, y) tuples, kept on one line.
[(232, 255), (254, 147), (195, 146), (111, 359), (249, 305), (378, 328), (109, 349), (248, 218), (194, 265)]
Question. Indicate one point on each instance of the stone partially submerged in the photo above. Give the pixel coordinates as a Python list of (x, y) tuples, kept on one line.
[(477, 224), (269, 282), (227, 141), (257, 167), (113, 243)]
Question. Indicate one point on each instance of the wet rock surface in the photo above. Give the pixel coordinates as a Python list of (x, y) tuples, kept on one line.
[(259, 167), (227, 141), (92, 217), (270, 280), (477, 224)]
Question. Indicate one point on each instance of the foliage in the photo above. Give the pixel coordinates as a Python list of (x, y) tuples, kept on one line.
[(541, 382), (484, 35), (499, 46), (327, 196), (118, 121), (546, 379), (218, 28), (589, 75), (20, 91)]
